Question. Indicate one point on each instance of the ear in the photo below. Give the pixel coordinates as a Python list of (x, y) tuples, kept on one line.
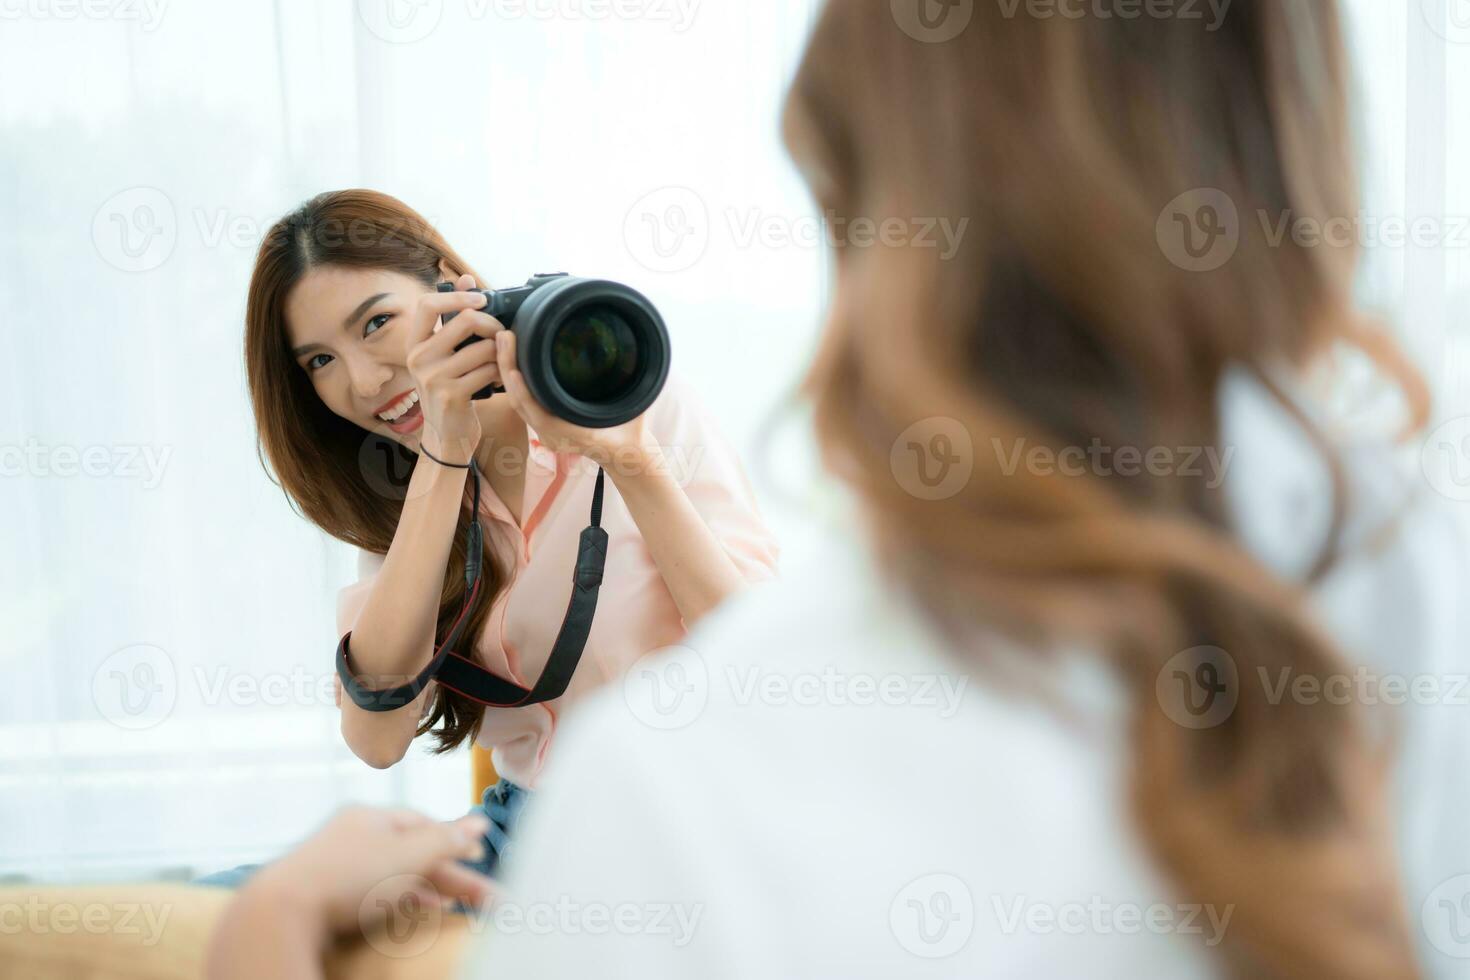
[(445, 272)]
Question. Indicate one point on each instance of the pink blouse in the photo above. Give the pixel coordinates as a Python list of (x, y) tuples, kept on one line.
[(635, 612)]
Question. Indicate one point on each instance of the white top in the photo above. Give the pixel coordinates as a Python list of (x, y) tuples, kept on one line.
[(812, 787)]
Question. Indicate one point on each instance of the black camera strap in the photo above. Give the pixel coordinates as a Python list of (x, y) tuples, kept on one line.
[(462, 674)]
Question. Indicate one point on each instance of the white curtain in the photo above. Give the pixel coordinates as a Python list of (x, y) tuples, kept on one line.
[(1414, 76), (167, 620)]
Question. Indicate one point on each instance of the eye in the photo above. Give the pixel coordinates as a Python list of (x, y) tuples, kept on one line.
[(311, 363)]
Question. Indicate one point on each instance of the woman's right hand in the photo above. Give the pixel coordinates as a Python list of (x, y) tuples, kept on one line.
[(445, 378), (366, 870)]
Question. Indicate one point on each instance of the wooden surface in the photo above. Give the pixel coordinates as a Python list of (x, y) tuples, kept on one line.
[(162, 932)]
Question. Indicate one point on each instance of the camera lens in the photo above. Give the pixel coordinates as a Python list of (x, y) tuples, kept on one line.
[(595, 353)]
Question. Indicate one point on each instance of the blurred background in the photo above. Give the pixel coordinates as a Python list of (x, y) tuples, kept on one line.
[(166, 620)]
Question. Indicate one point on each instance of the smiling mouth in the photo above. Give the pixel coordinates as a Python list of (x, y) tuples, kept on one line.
[(405, 416)]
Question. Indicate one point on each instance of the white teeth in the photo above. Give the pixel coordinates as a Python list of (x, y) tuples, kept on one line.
[(409, 401)]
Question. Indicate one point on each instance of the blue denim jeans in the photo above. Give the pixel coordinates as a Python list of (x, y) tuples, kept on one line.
[(502, 803)]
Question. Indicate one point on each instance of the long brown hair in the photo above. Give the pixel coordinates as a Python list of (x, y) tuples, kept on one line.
[(1060, 320), (342, 478)]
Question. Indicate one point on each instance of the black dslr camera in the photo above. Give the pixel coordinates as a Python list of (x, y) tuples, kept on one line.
[(593, 352)]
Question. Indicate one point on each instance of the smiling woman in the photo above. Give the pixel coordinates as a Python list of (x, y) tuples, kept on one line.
[(338, 378), (355, 378), (319, 372)]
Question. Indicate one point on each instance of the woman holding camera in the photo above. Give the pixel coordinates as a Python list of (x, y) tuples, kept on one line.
[(355, 379)]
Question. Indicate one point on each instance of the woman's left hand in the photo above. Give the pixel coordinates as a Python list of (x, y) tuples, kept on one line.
[(557, 434)]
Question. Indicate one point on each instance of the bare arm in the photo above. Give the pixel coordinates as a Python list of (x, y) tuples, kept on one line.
[(268, 930), (695, 568), (393, 638)]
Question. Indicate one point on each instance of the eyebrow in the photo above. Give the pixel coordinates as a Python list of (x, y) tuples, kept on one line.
[(352, 318)]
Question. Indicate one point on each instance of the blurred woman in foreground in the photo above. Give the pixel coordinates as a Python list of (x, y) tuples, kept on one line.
[(1055, 722)]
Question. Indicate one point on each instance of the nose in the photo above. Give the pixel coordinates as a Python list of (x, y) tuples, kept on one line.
[(368, 376)]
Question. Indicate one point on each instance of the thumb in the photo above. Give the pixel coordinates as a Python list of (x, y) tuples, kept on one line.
[(433, 842)]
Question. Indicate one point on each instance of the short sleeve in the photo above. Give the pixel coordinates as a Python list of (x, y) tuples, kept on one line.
[(707, 466)]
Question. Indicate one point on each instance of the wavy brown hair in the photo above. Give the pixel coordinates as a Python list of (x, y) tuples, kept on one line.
[(347, 481), (1061, 320)]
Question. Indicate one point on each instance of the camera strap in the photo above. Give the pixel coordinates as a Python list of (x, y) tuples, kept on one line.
[(462, 674)]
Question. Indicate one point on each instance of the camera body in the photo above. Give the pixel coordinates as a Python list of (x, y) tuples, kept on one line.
[(592, 351)]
